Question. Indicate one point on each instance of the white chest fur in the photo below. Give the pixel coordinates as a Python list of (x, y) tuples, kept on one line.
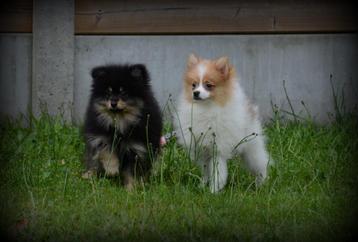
[(206, 122)]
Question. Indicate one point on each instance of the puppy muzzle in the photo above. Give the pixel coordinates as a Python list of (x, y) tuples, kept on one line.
[(196, 95)]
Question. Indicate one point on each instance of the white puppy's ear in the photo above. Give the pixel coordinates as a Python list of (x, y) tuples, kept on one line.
[(192, 60), (222, 65)]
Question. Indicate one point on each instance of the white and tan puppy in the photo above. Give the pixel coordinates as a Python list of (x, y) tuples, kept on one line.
[(216, 121)]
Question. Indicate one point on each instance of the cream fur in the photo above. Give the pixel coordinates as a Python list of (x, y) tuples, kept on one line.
[(216, 130)]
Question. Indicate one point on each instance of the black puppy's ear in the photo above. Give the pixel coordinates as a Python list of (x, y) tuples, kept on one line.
[(98, 72), (139, 72)]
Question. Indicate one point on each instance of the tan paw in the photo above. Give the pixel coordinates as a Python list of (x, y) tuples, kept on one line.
[(128, 181), (129, 186), (89, 174)]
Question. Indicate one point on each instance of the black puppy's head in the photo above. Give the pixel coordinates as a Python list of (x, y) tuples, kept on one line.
[(119, 89)]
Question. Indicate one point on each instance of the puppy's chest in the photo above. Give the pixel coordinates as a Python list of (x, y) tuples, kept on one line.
[(125, 143), (209, 122), (119, 143)]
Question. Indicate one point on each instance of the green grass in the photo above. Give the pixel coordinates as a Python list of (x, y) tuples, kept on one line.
[(310, 195)]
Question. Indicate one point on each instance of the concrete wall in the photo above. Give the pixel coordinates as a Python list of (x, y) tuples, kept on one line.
[(305, 62), (15, 74), (262, 62), (53, 57)]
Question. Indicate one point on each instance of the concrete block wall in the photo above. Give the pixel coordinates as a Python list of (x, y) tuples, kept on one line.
[(53, 57), (15, 74), (305, 62)]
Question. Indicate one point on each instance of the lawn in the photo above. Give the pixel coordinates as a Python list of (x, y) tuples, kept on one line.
[(310, 195)]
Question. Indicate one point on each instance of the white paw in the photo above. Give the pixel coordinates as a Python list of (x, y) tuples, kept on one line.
[(203, 182), (260, 179), (217, 186)]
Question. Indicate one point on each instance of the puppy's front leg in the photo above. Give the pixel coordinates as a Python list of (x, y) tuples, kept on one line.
[(93, 155), (128, 179), (110, 162), (128, 170), (203, 164), (256, 159), (218, 173)]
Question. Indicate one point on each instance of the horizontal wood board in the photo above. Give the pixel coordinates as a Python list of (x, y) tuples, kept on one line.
[(194, 17)]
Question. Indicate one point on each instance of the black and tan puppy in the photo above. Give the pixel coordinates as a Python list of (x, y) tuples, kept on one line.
[(123, 123)]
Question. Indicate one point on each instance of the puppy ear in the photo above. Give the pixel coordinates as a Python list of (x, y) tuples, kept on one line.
[(192, 60), (98, 72), (222, 65), (139, 72)]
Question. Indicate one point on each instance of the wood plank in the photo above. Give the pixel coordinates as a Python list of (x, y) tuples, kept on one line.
[(315, 18), (176, 21), (16, 16), (175, 17), (193, 17)]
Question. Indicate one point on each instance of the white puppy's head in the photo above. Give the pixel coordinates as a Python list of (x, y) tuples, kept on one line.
[(208, 79)]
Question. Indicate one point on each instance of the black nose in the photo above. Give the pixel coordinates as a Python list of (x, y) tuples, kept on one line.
[(196, 94), (113, 103)]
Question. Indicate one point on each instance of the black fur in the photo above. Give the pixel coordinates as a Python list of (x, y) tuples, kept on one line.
[(115, 130)]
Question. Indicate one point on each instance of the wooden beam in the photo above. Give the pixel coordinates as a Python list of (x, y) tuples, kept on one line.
[(175, 17), (16, 16), (194, 17)]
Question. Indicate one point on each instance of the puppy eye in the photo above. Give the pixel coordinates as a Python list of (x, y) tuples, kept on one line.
[(209, 86), (122, 91), (108, 92), (193, 85)]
